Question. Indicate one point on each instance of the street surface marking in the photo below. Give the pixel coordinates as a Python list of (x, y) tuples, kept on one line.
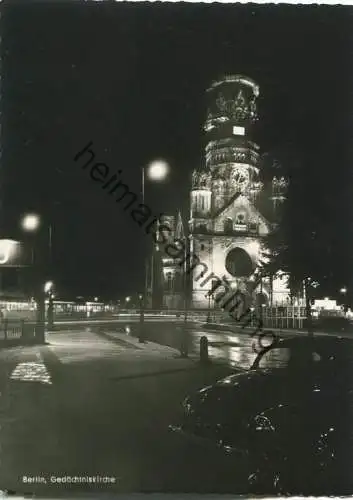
[(31, 372)]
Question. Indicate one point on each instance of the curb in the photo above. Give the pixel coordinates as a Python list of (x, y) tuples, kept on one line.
[(133, 342), (117, 340)]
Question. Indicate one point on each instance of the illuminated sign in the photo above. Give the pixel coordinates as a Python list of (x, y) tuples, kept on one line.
[(238, 131), (11, 253), (326, 304)]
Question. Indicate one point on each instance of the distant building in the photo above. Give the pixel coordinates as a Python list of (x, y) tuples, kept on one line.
[(231, 210), (327, 307)]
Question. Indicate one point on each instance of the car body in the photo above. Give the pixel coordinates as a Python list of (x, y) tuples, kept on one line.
[(334, 324), (287, 418)]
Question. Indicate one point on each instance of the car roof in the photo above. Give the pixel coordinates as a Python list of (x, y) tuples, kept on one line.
[(323, 341), (323, 344)]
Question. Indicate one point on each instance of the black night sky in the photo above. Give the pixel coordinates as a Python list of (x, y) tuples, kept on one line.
[(131, 77)]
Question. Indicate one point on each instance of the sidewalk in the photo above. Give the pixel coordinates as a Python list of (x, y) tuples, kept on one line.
[(109, 356), (145, 346)]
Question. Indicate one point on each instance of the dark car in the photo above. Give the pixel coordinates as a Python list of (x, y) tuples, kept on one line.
[(334, 324), (288, 418)]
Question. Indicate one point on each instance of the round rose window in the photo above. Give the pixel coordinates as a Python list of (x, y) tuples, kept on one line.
[(238, 263)]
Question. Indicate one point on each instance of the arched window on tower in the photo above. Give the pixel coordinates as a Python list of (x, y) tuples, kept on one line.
[(228, 225)]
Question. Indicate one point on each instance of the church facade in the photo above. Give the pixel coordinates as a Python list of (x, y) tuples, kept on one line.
[(232, 209)]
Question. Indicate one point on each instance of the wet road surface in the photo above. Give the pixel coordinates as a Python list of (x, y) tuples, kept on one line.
[(87, 405), (68, 412)]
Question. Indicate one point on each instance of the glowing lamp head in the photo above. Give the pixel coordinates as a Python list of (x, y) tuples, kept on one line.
[(157, 170), (128, 299), (48, 286), (30, 222)]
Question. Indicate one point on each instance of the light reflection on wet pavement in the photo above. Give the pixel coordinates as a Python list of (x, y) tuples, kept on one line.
[(236, 349), (31, 372)]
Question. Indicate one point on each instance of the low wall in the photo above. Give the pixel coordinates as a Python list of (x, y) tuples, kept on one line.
[(15, 332)]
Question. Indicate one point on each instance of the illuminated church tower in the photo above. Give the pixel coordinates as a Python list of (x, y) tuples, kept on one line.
[(231, 208)]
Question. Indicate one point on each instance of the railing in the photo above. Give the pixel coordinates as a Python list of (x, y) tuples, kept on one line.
[(12, 329)]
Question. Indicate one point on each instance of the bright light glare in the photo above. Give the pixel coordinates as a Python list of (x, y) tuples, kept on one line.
[(7, 250), (48, 286), (343, 290), (157, 170), (30, 222), (128, 299)]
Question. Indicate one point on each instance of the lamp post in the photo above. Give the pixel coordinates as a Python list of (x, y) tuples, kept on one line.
[(48, 290), (343, 291), (31, 223), (156, 171), (185, 332), (142, 320)]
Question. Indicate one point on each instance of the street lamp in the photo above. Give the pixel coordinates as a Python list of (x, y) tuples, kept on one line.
[(30, 222), (343, 291), (156, 171), (48, 286)]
